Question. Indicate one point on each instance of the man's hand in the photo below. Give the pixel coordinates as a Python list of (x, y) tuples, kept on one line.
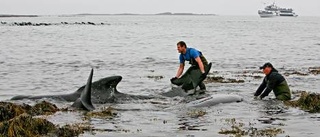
[(257, 98), (172, 79)]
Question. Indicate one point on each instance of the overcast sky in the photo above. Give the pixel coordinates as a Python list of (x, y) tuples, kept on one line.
[(220, 7)]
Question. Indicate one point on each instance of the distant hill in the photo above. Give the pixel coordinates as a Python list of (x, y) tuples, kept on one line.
[(8, 15), (89, 14), (164, 13), (169, 13)]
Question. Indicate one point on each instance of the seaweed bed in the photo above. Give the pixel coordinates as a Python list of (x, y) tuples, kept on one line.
[(218, 79), (238, 129), (309, 102), (19, 120)]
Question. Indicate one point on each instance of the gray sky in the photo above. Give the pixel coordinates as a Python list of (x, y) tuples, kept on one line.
[(220, 7)]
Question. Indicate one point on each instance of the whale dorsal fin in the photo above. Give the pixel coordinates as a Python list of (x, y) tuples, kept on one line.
[(84, 102)]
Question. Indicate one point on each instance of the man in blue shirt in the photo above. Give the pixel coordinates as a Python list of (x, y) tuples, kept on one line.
[(198, 63)]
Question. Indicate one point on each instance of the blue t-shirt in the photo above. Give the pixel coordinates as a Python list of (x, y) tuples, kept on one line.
[(190, 54)]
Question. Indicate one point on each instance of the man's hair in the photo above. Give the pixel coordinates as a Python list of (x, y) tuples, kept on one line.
[(182, 44)]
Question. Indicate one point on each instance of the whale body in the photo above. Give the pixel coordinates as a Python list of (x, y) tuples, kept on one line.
[(214, 100), (102, 91)]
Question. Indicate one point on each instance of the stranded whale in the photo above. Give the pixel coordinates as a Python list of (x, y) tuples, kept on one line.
[(102, 91)]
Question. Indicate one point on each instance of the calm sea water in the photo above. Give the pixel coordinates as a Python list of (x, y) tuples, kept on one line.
[(57, 59)]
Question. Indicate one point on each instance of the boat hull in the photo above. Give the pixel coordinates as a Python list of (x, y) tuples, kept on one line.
[(274, 11)]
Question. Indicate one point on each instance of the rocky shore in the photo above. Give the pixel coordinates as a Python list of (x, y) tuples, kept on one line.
[(49, 24)]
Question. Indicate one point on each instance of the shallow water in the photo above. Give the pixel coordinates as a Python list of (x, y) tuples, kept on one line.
[(57, 59)]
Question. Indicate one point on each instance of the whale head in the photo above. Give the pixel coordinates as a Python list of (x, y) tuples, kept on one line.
[(105, 89), (107, 82)]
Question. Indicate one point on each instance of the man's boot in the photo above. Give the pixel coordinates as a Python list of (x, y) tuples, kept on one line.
[(202, 88)]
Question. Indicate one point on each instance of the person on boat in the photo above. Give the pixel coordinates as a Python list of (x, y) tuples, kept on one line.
[(198, 63), (273, 81)]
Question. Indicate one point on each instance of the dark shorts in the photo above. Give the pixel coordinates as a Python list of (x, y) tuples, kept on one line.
[(283, 97)]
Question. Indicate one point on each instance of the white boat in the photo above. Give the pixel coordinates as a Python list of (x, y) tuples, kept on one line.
[(273, 10)]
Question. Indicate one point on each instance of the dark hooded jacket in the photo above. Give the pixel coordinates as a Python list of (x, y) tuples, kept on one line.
[(276, 82)]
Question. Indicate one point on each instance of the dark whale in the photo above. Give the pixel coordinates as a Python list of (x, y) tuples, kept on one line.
[(102, 91)]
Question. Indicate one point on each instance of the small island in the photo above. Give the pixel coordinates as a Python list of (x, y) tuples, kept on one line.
[(164, 13), (169, 13)]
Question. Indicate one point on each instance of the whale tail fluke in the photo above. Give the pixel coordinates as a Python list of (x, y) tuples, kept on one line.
[(84, 102)]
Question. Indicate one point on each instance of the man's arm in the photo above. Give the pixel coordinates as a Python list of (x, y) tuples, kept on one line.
[(262, 86), (201, 67), (265, 93), (180, 70), (271, 84)]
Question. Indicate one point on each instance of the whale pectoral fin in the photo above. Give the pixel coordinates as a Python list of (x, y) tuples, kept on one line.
[(175, 91), (79, 104), (84, 102)]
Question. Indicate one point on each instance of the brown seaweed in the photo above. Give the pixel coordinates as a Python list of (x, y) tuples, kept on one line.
[(308, 101)]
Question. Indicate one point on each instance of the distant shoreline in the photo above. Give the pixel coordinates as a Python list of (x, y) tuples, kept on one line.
[(8, 15), (89, 14)]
